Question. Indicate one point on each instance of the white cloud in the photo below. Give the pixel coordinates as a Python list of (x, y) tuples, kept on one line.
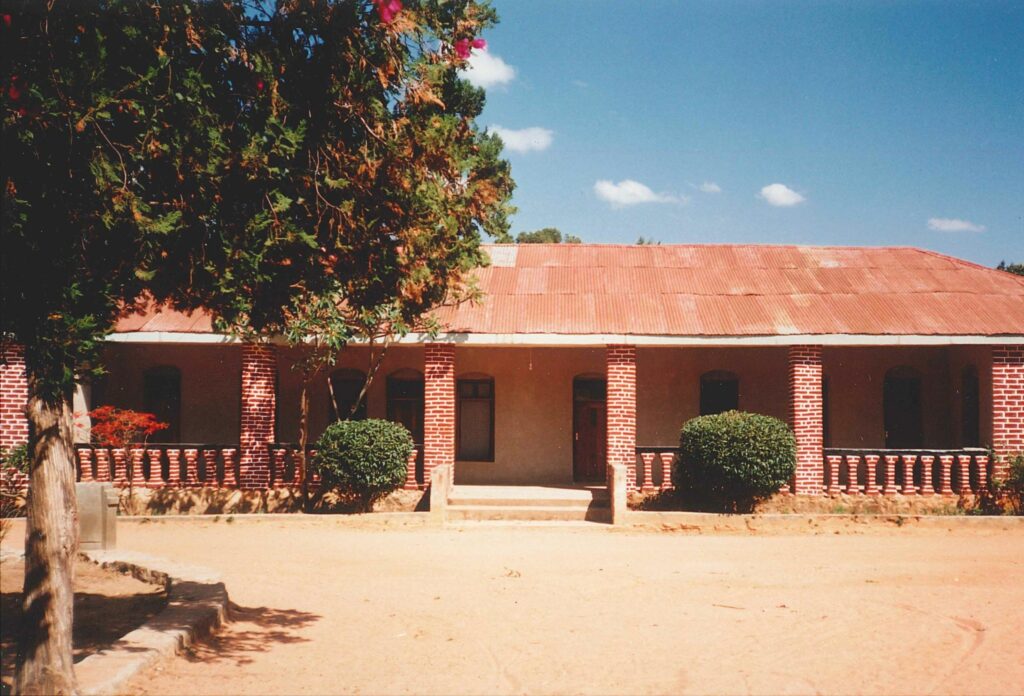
[(953, 225), (581, 84), (487, 70), (780, 195), (524, 139), (629, 192), (710, 187)]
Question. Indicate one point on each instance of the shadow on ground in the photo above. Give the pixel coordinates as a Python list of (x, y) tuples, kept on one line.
[(251, 630)]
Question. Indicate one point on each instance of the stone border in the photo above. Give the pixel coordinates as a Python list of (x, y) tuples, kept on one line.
[(197, 602), (786, 523)]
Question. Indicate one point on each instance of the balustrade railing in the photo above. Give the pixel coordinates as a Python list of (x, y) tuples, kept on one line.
[(906, 471), (158, 465), (654, 471), (284, 469)]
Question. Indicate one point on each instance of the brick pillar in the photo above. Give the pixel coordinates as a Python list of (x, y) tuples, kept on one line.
[(1007, 406), (806, 418), (438, 408), (621, 409), (259, 372), (13, 396)]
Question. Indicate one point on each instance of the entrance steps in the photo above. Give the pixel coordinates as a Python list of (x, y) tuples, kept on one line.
[(528, 503)]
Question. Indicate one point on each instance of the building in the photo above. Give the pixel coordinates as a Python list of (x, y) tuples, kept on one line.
[(897, 368)]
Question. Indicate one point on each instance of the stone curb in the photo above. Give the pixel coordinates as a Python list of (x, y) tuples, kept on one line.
[(197, 602), (710, 522)]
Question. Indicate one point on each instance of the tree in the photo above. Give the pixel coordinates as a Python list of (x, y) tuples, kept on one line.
[(239, 157), (1015, 268), (546, 235), (647, 241)]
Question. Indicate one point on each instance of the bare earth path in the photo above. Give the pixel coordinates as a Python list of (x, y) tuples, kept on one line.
[(328, 606)]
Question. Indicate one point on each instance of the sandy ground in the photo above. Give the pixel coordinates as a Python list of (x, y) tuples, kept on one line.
[(331, 605), (107, 606)]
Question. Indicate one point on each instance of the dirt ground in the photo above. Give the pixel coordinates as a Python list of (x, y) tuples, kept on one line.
[(107, 606), (340, 605)]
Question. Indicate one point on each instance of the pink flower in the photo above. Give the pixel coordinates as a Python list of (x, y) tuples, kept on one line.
[(462, 48), (259, 85), (388, 9), (479, 43)]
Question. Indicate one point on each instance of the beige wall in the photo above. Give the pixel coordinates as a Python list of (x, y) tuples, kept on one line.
[(211, 378), (533, 394), (668, 386), (856, 376)]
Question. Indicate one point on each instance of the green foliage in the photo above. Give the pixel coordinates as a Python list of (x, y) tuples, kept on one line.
[(647, 241), (239, 157), (1011, 488), (546, 235), (15, 458), (1015, 268), (731, 460), (367, 458)]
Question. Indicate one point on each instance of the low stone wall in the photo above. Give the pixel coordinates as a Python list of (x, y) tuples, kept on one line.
[(227, 501)]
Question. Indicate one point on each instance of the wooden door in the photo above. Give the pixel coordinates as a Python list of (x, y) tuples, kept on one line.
[(589, 438), (902, 412)]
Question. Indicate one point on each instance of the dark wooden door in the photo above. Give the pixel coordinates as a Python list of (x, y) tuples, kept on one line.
[(904, 427), (589, 441)]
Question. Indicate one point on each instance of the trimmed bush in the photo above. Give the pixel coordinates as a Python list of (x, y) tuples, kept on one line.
[(366, 458), (731, 460)]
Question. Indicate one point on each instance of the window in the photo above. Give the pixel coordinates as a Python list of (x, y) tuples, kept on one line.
[(345, 386), (970, 412), (161, 396), (901, 405), (719, 392), (476, 420), (405, 401)]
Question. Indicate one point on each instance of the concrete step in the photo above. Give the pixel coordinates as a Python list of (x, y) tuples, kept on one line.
[(535, 513), (529, 496)]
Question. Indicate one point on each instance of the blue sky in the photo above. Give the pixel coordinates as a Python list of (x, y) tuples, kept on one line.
[(855, 123)]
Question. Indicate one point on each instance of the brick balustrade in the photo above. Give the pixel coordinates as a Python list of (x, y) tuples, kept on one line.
[(13, 396), (806, 417), (259, 386), (621, 409), (438, 408)]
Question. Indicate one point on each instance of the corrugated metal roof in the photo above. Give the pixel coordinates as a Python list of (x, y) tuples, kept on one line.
[(717, 290)]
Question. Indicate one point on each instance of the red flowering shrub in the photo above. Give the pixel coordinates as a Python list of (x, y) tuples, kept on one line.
[(120, 427)]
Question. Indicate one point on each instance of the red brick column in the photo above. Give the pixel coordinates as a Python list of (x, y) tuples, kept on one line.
[(438, 408), (1007, 406), (259, 372), (621, 409), (13, 396), (806, 418)]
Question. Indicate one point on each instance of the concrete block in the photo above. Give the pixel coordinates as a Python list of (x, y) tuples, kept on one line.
[(97, 516), (617, 475)]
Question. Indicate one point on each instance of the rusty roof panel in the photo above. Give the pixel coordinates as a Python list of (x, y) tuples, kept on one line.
[(718, 290)]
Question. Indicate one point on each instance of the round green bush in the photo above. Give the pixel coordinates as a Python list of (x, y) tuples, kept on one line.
[(731, 460), (366, 457)]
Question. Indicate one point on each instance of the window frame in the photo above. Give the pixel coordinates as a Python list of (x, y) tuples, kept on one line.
[(458, 417)]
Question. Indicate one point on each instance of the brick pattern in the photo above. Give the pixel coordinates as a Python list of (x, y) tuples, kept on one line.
[(620, 364), (1007, 405), (13, 396), (438, 408), (259, 371), (806, 418)]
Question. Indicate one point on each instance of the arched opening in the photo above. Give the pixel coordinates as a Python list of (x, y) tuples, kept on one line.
[(474, 434), (345, 386), (719, 392), (405, 401), (970, 407), (902, 409), (161, 396), (590, 444)]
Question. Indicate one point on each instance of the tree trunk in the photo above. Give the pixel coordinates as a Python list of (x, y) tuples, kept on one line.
[(45, 658), (303, 439)]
